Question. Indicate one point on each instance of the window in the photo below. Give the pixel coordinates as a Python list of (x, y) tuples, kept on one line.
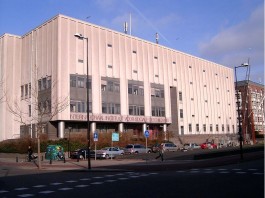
[(134, 51), (211, 128), (110, 108), (80, 60), (158, 111), (110, 66), (49, 82), (182, 130), (174, 62), (181, 113), (29, 110), (110, 86), (109, 45), (217, 128), (22, 91), (155, 57), (73, 106), (39, 85), (72, 81), (80, 82), (223, 127), (30, 90), (26, 90), (180, 96), (44, 83), (197, 127), (190, 128), (204, 127), (136, 110), (130, 89), (228, 128)]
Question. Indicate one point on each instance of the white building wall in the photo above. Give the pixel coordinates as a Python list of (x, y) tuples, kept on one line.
[(56, 52)]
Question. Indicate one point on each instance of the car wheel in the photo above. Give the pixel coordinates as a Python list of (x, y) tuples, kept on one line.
[(148, 151), (136, 152), (81, 157), (107, 156)]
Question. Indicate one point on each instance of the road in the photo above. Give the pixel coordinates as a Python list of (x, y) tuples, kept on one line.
[(244, 179)]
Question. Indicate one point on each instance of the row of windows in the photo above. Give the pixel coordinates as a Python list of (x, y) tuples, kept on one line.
[(204, 129), (80, 106), (158, 111), (110, 86), (158, 93), (111, 108), (80, 82), (136, 110), (44, 83), (135, 89), (43, 107)]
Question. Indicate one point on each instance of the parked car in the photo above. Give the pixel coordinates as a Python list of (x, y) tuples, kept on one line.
[(136, 148), (108, 152), (79, 153), (208, 145), (191, 146), (169, 147)]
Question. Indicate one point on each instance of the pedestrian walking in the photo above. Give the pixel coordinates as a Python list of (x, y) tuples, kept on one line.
[(161, 152), (30, 152)]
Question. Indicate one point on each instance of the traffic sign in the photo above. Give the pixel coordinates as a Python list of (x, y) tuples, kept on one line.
[(115, 137), (95, 136), (146, 133)]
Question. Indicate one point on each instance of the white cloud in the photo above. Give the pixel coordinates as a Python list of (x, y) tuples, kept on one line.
[(236, 44)]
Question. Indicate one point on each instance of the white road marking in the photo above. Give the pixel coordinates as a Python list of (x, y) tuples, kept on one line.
[(81, 186), (56, 183), (21, 188), (3, 191), (85, 179), (96, 183), (71, 181), (110, 180), (26, 195), (65, 188), (39, 186), (240, 172), (46, 192)]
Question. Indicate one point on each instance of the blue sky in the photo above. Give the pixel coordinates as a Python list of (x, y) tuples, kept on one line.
[(228, 32)]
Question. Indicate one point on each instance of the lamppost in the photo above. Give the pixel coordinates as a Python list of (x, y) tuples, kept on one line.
[(80, 36), (238, 112)]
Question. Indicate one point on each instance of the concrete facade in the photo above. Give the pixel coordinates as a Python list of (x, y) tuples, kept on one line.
[(133, 84)]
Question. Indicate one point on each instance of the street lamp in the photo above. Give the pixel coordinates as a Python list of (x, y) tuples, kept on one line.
[(238, 112), (80, 36)]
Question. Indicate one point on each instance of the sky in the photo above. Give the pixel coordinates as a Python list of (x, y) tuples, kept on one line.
[(227, 32)]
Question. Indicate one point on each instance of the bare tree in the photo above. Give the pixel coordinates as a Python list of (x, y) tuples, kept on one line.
[(38, 105)]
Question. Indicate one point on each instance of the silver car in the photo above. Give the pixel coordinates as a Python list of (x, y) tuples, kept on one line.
[(136, 148), (169, 147), (109, 152)]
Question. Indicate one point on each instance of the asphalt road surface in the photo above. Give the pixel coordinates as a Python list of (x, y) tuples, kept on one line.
[(244, 179)]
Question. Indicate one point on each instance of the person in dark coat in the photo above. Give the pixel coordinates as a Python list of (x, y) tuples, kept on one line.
[(30, 152)]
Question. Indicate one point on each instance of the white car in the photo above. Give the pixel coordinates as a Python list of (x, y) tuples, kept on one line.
[(109, 152), (190, 146)]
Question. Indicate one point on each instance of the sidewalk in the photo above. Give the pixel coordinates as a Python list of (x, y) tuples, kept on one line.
[(16, 164)]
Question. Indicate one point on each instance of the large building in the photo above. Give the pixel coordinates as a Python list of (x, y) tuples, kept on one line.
[(134, 85), (251, 109)]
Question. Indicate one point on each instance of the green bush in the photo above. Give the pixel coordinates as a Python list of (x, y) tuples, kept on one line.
[(77, 140)]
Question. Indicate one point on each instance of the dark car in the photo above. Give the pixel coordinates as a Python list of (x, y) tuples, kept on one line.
[(79, 154)]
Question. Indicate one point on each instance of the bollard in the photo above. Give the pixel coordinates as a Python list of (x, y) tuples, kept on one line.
[(64, 160), (42, 158), (16, 159), (77, 159), (50, 161)]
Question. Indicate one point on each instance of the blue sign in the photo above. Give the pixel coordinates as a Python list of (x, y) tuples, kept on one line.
[(115, 137), (95, 136), (146, 133)]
